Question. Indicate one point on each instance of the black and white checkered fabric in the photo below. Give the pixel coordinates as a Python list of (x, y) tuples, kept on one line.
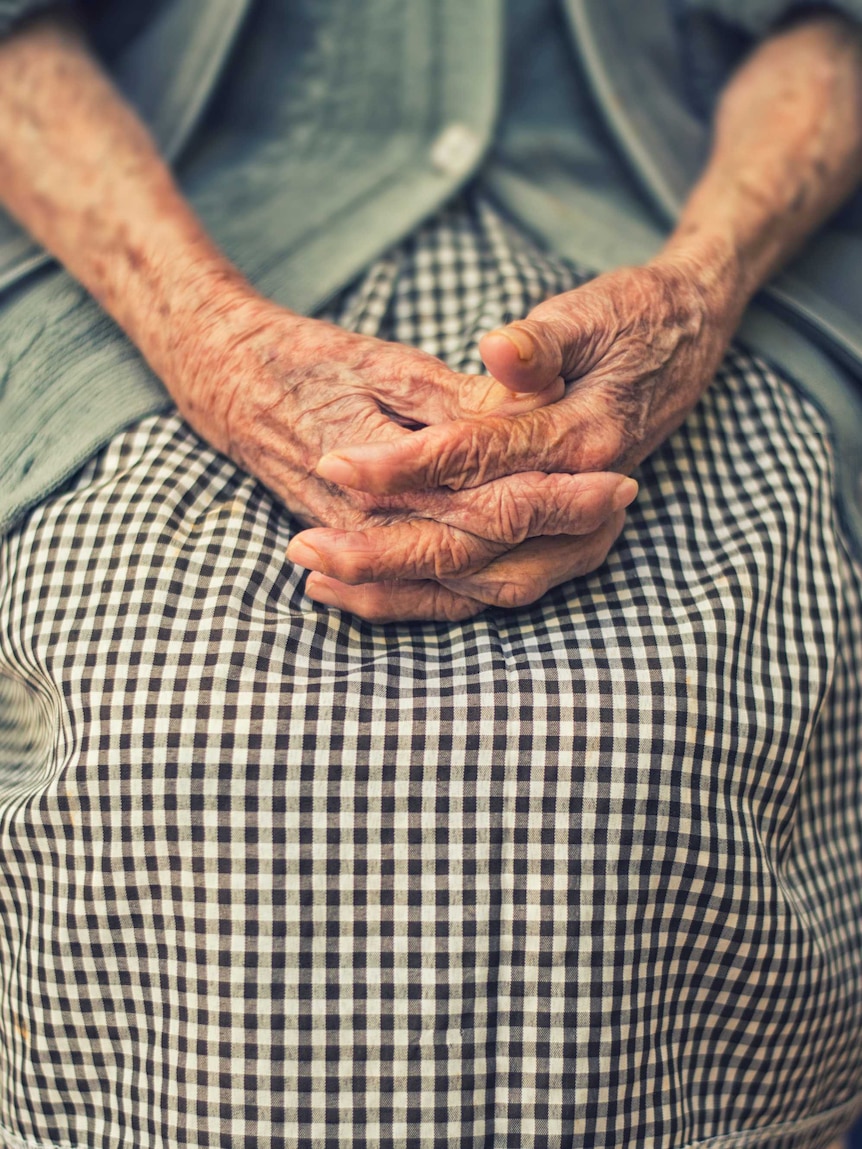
[(584, 874)]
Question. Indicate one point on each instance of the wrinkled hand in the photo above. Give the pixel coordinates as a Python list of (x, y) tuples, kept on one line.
[(636, 348), (276, 392)]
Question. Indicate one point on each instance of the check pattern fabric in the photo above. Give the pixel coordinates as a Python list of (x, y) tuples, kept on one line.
[(582, 874)]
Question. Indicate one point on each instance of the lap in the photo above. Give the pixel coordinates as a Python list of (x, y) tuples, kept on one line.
[(586, 872)]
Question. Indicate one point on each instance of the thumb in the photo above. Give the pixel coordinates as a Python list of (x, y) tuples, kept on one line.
[(524, 356), (553, 342)]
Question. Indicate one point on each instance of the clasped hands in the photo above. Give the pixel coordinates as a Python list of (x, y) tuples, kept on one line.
[(431, 495)]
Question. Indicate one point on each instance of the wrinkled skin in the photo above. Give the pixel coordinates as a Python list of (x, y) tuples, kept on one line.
[(276, 392), (636, 348)]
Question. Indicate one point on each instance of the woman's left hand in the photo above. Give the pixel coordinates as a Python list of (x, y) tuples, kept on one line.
[(636, 347)]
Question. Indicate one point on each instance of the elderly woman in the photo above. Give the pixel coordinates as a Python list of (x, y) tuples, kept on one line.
[(585, 872)]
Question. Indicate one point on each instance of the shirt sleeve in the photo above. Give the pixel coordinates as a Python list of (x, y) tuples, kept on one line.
[(759, 17), (12, 12)]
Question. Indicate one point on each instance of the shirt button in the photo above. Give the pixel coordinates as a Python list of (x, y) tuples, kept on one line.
[(455, 150)]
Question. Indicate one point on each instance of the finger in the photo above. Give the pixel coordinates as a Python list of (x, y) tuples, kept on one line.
[(415, 550), (559, 338), (465, 454), (482, 394), (519, 360), (473, 529), (516, 581), (527, 573), (393, 601), (436, 395)]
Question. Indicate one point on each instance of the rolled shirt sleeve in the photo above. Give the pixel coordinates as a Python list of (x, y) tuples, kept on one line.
[(12, 12)]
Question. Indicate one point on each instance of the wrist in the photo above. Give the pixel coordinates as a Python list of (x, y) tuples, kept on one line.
[(189, 328), (710, 273), (164, 298), (223, 336)]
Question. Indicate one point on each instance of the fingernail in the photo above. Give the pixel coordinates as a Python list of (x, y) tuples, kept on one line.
[(303, 553), (624, 494), (522, 342), (337, 470), (324, 593)]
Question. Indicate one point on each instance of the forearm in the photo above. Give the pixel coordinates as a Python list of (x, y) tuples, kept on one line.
[(80, 172), (787, 151)]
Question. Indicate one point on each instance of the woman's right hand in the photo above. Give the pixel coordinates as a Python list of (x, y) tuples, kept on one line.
[(79, 170), (276, 391)]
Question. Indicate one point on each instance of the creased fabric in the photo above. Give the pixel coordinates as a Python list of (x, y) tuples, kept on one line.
[(583, 874)]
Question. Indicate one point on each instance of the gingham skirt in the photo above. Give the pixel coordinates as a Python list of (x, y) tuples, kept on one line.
[(583, 874)]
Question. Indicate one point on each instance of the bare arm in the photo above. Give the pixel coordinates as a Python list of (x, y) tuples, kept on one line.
[(81, 173), (639, 346), (787, 151), (79, 170), (272, 389)]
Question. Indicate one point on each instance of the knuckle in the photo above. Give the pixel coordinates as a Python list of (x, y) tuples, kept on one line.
[(514, 512), (450, 607), (544, 505), (410, 553), (583, 323), (556, 504), (376, 604), (452, 555), (596, 550), (425, 549), (590, 561), (603, 448), (585, 506), (513, 591), (547, 439), (490, 448), (456, 464), (351, 568)]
